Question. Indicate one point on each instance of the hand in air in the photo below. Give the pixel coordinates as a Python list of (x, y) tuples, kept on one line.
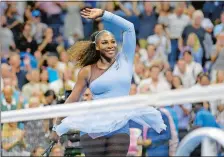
[(89, 13)]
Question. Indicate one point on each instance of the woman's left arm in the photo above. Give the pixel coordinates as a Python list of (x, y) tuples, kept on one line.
[(129, 38)]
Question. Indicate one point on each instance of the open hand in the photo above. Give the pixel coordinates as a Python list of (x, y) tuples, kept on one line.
[(91, 13)]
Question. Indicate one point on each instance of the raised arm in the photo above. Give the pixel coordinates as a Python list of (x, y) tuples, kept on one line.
[(129, 38)]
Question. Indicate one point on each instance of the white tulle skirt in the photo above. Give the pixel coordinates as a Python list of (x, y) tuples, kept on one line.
[(99, 123)]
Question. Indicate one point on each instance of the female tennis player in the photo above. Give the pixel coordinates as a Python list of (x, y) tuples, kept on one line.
[(107, 73)]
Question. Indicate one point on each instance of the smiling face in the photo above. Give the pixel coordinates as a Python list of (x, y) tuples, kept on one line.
[(106, 45)]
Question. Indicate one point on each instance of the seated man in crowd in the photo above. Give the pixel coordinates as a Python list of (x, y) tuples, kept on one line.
[(156, 144)]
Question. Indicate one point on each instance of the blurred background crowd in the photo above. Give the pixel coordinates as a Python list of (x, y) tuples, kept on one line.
[(179, 45)]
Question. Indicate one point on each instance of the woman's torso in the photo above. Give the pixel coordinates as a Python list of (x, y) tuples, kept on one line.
[(113, 82)]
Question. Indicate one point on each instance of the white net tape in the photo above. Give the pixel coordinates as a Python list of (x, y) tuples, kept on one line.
[(192, 95)]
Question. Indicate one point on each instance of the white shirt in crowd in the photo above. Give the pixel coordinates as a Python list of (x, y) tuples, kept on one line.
[(176, 24), (162, 85), (158, 56), (162, 43), (190, 75)]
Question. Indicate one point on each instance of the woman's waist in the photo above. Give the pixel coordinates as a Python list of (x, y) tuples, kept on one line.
[(124, 129)]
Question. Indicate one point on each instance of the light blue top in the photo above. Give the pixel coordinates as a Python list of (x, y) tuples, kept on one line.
[(174, 115), (116, 81), (218, 29), (204, 118), (183, 120)]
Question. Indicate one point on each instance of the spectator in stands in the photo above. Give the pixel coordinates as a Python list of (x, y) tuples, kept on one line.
[(148, 20), (37, 130), (14, 62), (33, 85), (203, 118), (192, 66), (139, 70), (184, 73), (37, 151), (151, 55), (87, 96), (64, 61), (204, 79), (213, 9), (164, 10), (195, 27), (53, 11), (8, 100), (208, 42), (47, 44), (25, 42), (177, 82), (220, 76), (13, 22), (17, 95), (176, 23), (155, 84), (27, 14), (220, 115), (157, 144), (5, 70), (68, 79), (161, 41), (44, 83), (50, 97), (217, 56), (57, 150), (73, 26), (169, 76), (220, 27), (13, 140), (194, 45), (6, 38), (38, 27), (55, 82)]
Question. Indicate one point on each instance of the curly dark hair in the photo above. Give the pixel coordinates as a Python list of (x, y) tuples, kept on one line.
[(84, 52)]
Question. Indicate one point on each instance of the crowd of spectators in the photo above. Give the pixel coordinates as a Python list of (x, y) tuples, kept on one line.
[(178, 46)]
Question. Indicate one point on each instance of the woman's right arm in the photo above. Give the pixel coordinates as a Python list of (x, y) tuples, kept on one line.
[(80, 85), (78, 90)]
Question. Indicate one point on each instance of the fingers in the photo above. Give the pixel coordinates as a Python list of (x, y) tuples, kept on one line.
[(86, 17), (85, 13), (88, 9)]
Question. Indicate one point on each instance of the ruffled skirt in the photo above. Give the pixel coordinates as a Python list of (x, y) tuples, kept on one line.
[(99, 123)]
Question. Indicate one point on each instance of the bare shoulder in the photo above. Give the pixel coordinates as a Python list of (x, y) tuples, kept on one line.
[(85, 72)]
